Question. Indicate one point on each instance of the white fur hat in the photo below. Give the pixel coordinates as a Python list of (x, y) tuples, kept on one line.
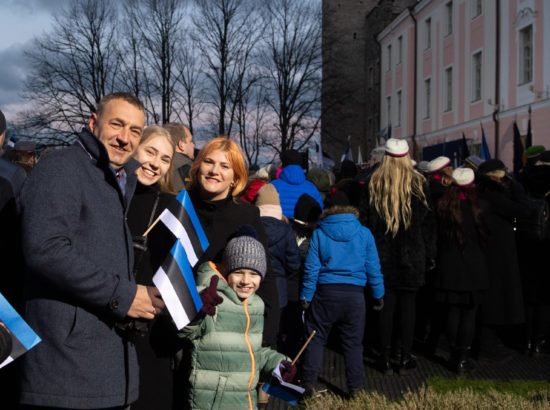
[(463, 176), (438, 164), (397, 148)]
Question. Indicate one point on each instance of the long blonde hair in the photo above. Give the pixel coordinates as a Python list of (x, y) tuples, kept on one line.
[(391, 188)]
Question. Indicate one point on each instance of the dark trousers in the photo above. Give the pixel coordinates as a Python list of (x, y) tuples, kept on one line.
[(342, 307), (461, 325), (399, 312)]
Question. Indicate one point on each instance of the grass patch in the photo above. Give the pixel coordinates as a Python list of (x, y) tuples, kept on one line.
[(443, 393), (523, 388)]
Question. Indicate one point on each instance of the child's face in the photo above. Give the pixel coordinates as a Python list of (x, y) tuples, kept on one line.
[(245, 282)]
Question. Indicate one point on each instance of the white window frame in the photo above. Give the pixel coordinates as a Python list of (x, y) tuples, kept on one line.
[(525, 70), (477, 76)]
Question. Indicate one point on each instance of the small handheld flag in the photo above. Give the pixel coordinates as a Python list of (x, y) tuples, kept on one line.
[(174, 279), (22, 336), (286, 391)]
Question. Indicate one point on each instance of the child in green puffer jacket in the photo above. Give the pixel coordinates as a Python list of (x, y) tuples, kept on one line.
[(226, 337)]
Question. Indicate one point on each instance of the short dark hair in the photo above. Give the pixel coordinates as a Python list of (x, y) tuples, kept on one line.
[(129, 98)]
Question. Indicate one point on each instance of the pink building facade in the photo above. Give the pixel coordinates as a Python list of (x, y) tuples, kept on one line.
[(450, 67)]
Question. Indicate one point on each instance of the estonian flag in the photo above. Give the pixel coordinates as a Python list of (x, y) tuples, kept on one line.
[(180, 218), (347, 152), (285, 391), (23, 337), (175, 282), (174, 279)]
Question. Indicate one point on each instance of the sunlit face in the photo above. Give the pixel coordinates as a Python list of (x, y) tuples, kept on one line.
[(188, 148), (215, 176), (155, 156), (245, 282), (119, 128)]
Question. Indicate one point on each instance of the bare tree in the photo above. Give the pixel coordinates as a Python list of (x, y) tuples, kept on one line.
[(191, 91), (292, 64), (226, 33), (72, 67), (159, 24)]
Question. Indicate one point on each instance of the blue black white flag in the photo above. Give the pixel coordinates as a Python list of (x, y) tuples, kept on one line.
[(23, 337), (180, 218), (285, 391), (174, 279), (484, 153), (175, 282)]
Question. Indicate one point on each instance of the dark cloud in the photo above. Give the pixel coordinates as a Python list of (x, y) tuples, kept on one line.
[(13, 69), (31, 6)]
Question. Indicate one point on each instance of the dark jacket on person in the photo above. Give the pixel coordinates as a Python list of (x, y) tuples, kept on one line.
[(462, 268), (285, 258), (403, 258), (220, 219), (158, 340), (504, 302), (534, 274), (79, 283)]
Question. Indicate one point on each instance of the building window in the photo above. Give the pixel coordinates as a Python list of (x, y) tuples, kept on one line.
[(428, 33), (476, 77), (449, 89), (398, 121), (388, 109), (389, 58), (526, 55), (449, 11), (476, 8), (427, 97), (399, 49)]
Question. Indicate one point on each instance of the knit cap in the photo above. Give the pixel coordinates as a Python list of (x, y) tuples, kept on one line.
[(291, 157), (268, 202), (307, 209), (244, 251)]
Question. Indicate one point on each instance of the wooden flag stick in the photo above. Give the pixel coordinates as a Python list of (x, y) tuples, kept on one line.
[(304, 347), (152, 226)]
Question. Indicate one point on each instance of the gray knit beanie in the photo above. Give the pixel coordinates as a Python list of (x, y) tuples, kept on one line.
[(244, 251)]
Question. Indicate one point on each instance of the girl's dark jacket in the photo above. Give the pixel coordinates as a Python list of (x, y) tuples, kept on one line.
[(405, 257)]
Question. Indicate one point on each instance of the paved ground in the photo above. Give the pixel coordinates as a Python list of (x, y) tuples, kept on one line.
[(509, 365)]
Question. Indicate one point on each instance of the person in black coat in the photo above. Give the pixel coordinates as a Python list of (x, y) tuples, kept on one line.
[(286, 263), (503, 306), (394, 206), (535, 277), (462, 276), (156, 341), (218, 177)]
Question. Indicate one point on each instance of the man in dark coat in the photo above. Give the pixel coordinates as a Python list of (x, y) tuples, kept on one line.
[(78, 251)]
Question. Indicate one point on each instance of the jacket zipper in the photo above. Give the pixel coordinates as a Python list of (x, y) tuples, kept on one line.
[(245, 303)]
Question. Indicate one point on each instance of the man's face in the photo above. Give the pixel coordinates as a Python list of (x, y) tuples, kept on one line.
[(119, 128), (187, 148)]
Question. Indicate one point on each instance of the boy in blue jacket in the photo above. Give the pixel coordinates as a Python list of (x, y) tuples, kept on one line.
[(342, 259)]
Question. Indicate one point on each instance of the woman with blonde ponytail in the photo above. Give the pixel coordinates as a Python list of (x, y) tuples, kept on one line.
[(394, 206)]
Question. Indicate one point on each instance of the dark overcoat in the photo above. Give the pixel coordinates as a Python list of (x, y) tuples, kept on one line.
[(79, 283)]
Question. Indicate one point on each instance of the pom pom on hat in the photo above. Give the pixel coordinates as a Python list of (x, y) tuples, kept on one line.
[(244, 251), (396, 148), (438, 164), (463, 176)]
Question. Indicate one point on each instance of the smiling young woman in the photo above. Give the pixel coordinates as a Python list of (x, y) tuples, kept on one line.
[(218, 177), (154, 191)]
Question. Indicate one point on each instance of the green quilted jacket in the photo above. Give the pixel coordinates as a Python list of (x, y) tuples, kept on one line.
[(227, 354)]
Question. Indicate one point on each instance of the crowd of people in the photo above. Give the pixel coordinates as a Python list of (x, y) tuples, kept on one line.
[(386, 260)]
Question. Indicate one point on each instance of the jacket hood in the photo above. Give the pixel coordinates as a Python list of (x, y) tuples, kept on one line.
[(340, 227), (293, 174)]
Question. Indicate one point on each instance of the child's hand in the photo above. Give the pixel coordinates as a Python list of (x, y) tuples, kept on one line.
[(210, 298), (288, 371)]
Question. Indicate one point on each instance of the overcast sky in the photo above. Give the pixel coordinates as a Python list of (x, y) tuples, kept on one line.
[(21, 21)]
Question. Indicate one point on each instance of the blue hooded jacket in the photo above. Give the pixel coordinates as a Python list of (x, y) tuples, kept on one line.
[(342, 251), (291, 185)]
